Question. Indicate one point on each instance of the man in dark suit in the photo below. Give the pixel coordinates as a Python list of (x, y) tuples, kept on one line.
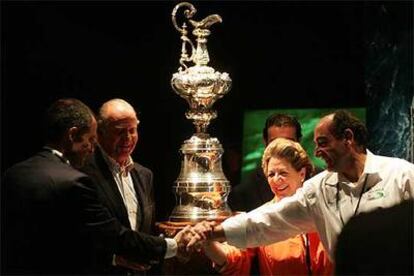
[(255, 190), (125, 187), (52, 220)]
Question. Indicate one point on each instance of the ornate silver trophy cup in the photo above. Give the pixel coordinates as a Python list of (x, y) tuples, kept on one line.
[(201, 188)]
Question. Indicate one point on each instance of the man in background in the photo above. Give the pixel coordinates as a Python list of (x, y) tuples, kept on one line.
[(355, 181), (254, 191)]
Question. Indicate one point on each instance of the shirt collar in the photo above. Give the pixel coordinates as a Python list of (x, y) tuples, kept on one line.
[(115, 167), (369, 168), (58, 154)]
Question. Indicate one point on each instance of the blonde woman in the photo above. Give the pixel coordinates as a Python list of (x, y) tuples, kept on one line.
[(286, 165)]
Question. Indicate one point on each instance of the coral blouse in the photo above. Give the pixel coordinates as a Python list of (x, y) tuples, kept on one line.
[(288, 257)]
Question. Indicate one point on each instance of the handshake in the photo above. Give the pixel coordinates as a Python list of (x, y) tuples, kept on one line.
[(189, 240), (192, 238)]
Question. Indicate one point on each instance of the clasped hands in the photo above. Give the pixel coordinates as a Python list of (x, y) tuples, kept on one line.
[(189, 240), (192, 238)]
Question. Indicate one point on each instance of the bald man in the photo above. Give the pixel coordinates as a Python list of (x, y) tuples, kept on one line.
[(53, 222), (355, 181), (125, 186)]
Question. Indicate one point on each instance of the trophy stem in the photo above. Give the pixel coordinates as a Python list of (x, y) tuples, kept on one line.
[(201, 120)]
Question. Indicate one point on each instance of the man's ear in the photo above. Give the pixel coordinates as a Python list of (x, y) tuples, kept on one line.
[(349, 136), (72, 134)]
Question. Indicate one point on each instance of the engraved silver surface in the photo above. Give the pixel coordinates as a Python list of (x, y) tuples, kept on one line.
[(201, 188)]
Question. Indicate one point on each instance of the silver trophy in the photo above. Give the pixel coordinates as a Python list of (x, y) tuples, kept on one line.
[(201, 188)]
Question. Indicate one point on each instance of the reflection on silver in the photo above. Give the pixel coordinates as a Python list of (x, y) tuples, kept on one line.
[(201, 188)]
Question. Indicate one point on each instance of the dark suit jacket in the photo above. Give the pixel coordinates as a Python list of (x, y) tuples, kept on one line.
[(53, 222), (109, 194), (251, 193), (380, 242)]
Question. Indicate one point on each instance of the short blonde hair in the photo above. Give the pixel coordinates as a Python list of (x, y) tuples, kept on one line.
[(290, 151)]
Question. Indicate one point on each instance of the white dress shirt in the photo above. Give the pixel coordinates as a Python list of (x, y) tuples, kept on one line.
[(123, 179), (325, 203)]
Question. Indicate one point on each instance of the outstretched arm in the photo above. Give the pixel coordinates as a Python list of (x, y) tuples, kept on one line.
[(215, 252)]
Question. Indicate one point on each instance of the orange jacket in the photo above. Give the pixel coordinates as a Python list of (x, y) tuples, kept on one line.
[(283, 258)]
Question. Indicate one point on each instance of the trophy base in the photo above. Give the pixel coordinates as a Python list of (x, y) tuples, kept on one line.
[(190, 213)]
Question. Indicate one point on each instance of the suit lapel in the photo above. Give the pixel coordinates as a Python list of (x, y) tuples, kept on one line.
[(111, 190)]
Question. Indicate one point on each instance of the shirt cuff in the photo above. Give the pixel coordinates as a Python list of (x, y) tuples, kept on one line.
[(113, 259), (235, 230), (172, 248)]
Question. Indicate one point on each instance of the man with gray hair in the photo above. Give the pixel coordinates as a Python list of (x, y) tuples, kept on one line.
[(125, 187), (52, 220)]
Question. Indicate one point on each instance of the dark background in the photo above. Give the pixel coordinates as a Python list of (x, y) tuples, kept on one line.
[(278, 54)]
